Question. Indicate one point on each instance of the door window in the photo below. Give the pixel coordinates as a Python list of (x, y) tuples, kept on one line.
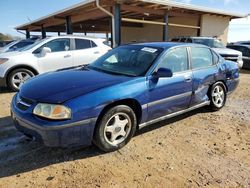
[(201, 57), (82, 44), (57, 45), (176, 60)]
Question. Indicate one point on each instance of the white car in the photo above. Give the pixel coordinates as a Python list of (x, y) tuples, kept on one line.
[(46, 55)]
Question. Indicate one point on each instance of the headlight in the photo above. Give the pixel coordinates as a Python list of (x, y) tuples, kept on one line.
[(51, 111), (3, 60)]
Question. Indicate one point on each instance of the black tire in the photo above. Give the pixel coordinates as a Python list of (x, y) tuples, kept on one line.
[(14, 86), (220, 95), (102, 137)]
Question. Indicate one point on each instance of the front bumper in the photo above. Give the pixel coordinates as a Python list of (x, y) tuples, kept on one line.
[(62, 135)]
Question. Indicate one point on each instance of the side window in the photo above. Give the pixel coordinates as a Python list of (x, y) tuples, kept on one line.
[(176, 60), (57, 45), (183, 40), (215, 58), (201, 57), (189, 40), (82, 44)]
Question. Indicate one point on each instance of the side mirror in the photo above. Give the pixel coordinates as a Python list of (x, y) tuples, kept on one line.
[(163, 73), (44, 51)]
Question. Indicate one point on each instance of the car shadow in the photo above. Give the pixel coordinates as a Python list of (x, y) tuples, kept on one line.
[(19, 154), (245, 71), (5, 90)]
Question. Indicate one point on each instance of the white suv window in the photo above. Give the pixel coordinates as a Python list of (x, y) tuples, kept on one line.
[(57, 45)]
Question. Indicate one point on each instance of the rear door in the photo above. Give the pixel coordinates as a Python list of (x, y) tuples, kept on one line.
[(168, 95), (205, 71), (85, 51)]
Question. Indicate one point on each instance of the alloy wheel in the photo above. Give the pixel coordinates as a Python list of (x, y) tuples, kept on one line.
[(19, 78), (117, 128), (218, 96)]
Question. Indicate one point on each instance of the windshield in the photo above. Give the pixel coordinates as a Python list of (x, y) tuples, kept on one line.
[(10, 44), (132, 60), (213, 43), (31, 46)]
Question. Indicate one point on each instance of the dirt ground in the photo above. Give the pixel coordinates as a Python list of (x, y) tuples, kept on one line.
[(197, 149)]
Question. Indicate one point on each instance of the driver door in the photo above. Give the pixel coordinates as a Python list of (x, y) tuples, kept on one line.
[(169, 95), (60, 56)]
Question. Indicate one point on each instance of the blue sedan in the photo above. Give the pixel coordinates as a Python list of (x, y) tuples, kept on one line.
[(130, 87)]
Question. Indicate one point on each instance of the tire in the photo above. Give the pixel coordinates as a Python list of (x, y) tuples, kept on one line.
[(217, 96), (115, 128), (17, 77)]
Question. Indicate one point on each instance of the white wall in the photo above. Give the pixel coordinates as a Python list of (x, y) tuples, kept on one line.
[(215, 26)]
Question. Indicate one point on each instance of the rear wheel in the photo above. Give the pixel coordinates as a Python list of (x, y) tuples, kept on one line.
[(115, 128), (17, 77), (217, 96)]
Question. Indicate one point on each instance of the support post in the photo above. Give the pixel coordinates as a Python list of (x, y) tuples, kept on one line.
[(165, 28), (200, 25), (58, 33), (117, 16), (27, 34), (69, 30), (43, 32)]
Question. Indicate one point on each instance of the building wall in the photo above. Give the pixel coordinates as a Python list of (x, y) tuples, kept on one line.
[(215, 26), (210, 26), (146, 33), (151, 32)]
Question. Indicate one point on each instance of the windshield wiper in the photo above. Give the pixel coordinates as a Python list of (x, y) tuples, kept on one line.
[(109, 72)]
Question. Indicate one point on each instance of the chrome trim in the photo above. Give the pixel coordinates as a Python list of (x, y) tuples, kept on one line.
[(170, 98), (173, 114), (23, 103), (144, 106)]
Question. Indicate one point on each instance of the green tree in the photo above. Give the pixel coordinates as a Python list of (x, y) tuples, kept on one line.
[(5, 37)]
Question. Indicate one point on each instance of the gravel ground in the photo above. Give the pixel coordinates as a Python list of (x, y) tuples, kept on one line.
[(197, 149)]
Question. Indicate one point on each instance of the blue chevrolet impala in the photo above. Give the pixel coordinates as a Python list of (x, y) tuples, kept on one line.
[(130, 87)]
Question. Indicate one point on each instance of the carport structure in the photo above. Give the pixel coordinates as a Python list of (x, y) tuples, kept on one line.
[(135, 20)]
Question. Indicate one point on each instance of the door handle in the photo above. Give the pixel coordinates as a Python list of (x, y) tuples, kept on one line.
[(66, 56), (97, 52), (187, 78)]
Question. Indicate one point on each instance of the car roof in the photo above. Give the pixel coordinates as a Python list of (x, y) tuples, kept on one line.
[(76, 36), (167, 45)]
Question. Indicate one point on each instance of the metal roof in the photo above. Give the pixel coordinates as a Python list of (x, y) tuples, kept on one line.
[(166, 4), (172, 3)]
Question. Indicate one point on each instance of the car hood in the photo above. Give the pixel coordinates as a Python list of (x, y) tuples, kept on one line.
[(10, 54), (227, 51), (58, 87)]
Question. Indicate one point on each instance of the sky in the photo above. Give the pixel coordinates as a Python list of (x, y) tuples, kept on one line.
[(17, 12)]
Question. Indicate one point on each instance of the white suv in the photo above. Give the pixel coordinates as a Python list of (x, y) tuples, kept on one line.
[(48, 55)]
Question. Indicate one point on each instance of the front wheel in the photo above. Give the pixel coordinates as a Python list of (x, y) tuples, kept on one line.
[(115, 128), (217, 96), (17, 77)]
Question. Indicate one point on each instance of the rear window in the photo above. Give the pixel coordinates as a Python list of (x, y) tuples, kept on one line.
[(82, 44), (201, 57)]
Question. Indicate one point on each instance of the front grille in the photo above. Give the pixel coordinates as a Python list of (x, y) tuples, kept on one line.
[(230, 57), (23, 103)]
